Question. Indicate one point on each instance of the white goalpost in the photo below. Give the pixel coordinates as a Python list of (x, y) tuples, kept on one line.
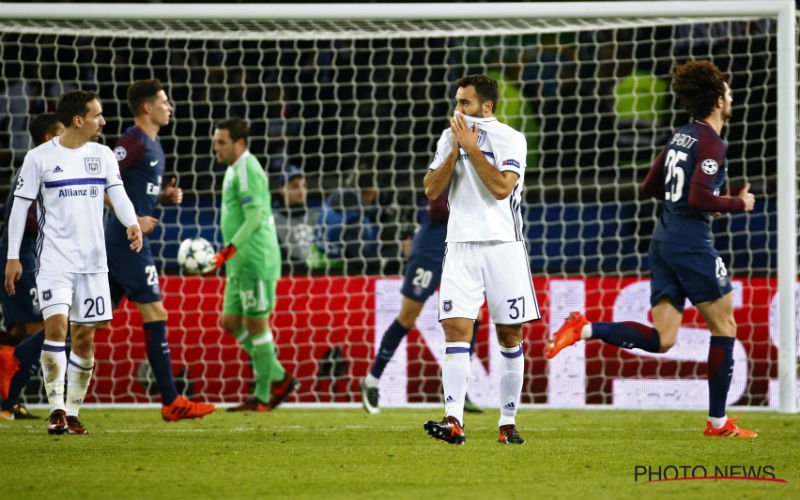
[(336, 88)]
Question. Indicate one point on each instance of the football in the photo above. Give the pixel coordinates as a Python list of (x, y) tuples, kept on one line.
[(194, 254)]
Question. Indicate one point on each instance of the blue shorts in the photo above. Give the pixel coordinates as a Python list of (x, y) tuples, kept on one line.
[(133, 275), (23, 307), (680, 272), (423, 274)]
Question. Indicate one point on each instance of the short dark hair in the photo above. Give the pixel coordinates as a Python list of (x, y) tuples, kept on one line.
[(41, 125), (236, 127), (698, 85), (142, 91), (74, 103), (485, 87)]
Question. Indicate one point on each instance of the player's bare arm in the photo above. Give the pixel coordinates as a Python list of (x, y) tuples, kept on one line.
[(500, 184), (135, 237), (437, 181), (13, 274), (147, 223)]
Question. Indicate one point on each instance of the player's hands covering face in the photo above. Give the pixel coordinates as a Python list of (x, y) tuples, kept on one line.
[(463, 134)]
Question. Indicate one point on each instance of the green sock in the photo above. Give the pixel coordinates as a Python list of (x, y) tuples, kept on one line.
[(266, 366), (245, 340)]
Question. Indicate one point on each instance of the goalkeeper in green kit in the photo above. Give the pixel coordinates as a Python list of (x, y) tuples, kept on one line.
[(253, 264)]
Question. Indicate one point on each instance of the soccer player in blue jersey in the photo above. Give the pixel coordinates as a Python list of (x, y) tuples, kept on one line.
[(687, 176), (421, 279), (21, 313), (134, 275)]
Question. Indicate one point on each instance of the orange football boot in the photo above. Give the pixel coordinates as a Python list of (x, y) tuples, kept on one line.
[(729, 430), (568, 334), (8, 367), (182, 408)]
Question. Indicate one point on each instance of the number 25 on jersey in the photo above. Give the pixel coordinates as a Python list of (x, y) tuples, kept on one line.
[(675, 178)]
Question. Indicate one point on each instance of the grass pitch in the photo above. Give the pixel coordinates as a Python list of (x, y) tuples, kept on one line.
[(331, 454)]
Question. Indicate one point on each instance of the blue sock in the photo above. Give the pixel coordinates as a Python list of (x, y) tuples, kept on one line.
[(27, 353), (155, 340), (474, 340), (628, 334), (391, 339), (720, 372)]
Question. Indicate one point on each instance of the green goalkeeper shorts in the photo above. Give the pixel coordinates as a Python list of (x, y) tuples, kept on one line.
[(253, 298)]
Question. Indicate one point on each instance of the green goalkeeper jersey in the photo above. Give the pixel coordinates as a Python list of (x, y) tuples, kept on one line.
[(247, 221)]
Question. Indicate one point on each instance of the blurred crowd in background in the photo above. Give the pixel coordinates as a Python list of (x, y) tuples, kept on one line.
[(594, 105)]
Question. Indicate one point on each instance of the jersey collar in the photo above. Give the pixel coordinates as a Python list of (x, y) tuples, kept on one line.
[(241, 158), (474, 119)]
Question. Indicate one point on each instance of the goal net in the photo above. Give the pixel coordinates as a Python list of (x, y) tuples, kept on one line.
[(338, 98)]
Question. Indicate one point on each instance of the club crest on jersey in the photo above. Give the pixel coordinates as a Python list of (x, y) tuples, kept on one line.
[(92, 165), (709, 166), (447, 305), (120, 153), (47, 295), (481, 137)]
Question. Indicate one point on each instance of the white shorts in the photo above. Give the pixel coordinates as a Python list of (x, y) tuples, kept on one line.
[(498, 270), (85, 296)]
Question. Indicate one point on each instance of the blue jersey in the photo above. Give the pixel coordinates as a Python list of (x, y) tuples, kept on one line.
[(141, 165), (692, 169), (27, 249), (429, 240), (424, 267), (23, 307), (688, 176)]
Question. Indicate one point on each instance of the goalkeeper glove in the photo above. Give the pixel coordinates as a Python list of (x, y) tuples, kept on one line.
[(222, 257)]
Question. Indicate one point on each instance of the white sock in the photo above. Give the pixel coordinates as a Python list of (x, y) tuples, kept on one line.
[(371, 382), (718, 422), (79, 374), (54, 367), (513, 369), (586, 331), (455, 378)]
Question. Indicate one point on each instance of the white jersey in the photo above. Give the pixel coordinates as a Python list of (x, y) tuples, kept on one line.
[(69, 185), (475, 214)]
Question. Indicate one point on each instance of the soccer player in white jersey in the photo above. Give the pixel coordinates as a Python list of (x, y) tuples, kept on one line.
[(483, 163), (68, 176)]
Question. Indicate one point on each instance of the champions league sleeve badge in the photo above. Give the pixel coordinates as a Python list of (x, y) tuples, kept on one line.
[(709, 166), (120, 153)]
